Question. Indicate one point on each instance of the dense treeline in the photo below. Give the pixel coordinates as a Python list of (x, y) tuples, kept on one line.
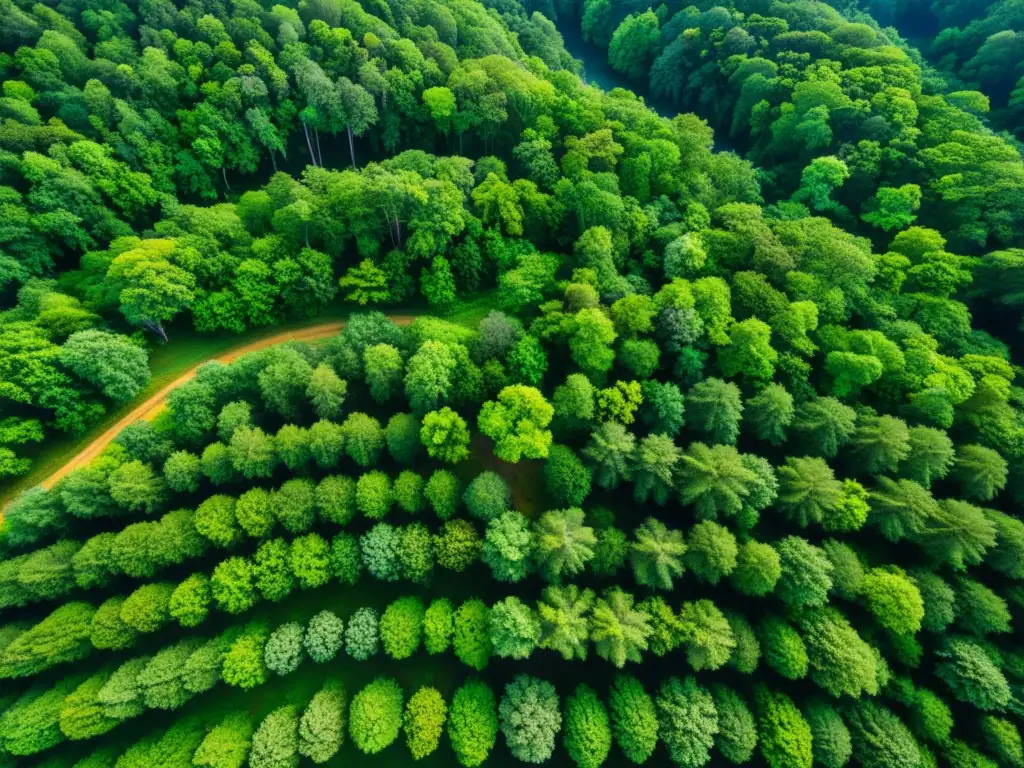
[(254, 449), (762, 446), (797, 83), (974, 45)]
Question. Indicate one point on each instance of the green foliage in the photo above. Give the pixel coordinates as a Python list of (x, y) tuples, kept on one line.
[(784, 736), (587, 733), (401, 627), (283, 652), (322, 726), (362, 635), (423, 721), (514, 629), (438, 626), (275, 743), (323, 637), (227, 743), (472, 639), (687, 721), (473, 722), (375, 716), (530, 718), (633, 718)]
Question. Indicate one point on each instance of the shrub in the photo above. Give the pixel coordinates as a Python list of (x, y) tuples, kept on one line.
[(473, 723), (362, 636), (283, 651), (401, 627), (323, 637), (376, 715), (530, 718), (472, 640), (588, 735), (425, 713), (322, 727)]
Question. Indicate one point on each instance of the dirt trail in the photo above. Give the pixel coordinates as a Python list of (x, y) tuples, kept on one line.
[(151, 407)]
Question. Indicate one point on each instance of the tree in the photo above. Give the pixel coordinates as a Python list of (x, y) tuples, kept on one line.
[(275, 744), (362, 635), (564, 620), (784, 649), (252, 452), (322, 726), (227, 744), (654, 465), (110, 362), (383, 367), (806, 573), (514, 629), (573, 402), (283, 651), (254, 512), (808, 491), (445, 435), (737, 735), (379, 547), (971, 675), (231, 585), (181, 473), (374, 495), (473, 723), (323, 637), (457, 546), (715, 408), (424, 719), (590, 343), (707, 634), (715, 479), (566, 477), (472, 640), (517, 422), (635, 44), (758, 568), (152, 288), (830, 738), (243, 665), (711, 552), (364, 439), (687, 721), (981, 472), (769, 414), (271, 570), (146, 609), (508, 547), (611, 450), (823, 425), (375, 716), (401, 627), (894, 600), (633, 718), (365, 284), (783, 734), (880, 738), (618, 630), (326, 392), (840, 661), (190, 601), (587, 735), (530, 718), (562, 543), (657, 555), (438, 626), (487, 496), (310, 561)]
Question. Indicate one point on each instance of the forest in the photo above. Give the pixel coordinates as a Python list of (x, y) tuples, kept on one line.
[(723, 468)]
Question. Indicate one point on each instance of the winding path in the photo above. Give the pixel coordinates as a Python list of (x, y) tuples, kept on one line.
[(149, 408)]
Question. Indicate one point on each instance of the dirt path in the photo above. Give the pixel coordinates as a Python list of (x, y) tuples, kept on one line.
[(152, 406)]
